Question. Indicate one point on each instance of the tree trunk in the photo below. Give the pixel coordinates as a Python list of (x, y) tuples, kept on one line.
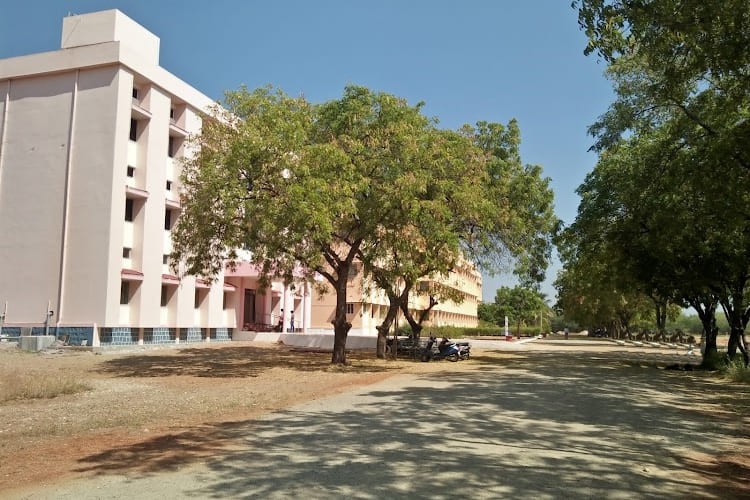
[(737, 314), (706, 309), (737, 341), (385, 326), (341, 326), (416, 325)]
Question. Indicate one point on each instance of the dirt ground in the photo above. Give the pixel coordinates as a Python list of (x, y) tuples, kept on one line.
[(150, 404), (144, 394)]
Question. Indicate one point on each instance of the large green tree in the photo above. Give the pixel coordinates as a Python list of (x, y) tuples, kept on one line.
[(365, 177), (682, 75), (519, 304), (297, 185), (422, 236)]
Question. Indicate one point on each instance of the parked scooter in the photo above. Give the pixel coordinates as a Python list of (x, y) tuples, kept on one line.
[(464, 350), (445, 350)]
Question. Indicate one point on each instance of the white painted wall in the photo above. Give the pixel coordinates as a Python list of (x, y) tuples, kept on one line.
[(32, 193), (96, 160)]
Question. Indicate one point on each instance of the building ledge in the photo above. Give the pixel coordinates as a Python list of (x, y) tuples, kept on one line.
[(139, 112), (173, 204), (131, 192), (131, 275), (176, 130), (170, 279)]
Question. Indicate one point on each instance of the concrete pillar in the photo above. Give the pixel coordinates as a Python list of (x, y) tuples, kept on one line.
[(306, 307), (287, 303)]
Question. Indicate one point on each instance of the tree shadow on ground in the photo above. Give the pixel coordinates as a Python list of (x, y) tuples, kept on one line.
[(538, 425), (232, 362)]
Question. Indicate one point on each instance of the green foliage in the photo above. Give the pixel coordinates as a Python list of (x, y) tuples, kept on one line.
[(736, 371), (519, 219), (559, 323), (521, 305), (310, 188), (690, 323), (661, 205), (486, 313)]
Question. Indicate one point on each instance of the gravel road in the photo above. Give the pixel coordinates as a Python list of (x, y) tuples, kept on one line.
[(548, 423)]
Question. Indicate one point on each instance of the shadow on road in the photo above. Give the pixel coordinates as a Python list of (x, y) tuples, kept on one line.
[(539, 425)]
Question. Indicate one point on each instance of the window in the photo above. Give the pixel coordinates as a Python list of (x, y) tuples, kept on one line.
[(126, 252), (164, 295), (171, 114), (198, 299), (129, 210), (171, 147), (124, 293), (354, 270), (165, 259), (135, 93), (133, 129), (349, 308), (169, 185), (168, 220), (131, 171), (224, 301)]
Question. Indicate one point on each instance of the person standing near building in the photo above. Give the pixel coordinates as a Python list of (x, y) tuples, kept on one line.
[(291, 321)]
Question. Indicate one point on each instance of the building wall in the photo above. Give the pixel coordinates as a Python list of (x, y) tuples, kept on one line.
[(32, 195), (87, 254), (64, 158), (369, 305)]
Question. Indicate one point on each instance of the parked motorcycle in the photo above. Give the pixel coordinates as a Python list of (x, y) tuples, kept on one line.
[(445, 350)]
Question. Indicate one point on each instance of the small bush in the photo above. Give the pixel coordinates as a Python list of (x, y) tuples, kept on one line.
[(36, 386), (714, 361), (736, 371)]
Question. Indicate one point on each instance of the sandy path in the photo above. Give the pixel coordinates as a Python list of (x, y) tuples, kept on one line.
[(542, 423)]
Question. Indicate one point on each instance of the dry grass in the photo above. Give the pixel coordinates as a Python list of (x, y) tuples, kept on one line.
[(37, 385)]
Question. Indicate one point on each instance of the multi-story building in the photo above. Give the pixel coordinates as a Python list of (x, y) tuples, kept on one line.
[(367, 305), (90, 141), (89, 190)]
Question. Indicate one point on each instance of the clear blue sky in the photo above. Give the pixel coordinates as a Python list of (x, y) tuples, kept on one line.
[(468, 60)]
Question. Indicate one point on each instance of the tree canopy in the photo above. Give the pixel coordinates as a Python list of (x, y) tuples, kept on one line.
[(365, 177), (665, 200)]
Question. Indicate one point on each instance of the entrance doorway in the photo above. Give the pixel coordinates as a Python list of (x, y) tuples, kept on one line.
[(248, 307)]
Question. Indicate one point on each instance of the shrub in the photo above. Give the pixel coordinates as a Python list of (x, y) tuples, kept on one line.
[(715, 361), (736, 371), (457, 332)]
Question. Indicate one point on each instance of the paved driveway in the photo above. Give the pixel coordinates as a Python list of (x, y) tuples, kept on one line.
[(537, 425)]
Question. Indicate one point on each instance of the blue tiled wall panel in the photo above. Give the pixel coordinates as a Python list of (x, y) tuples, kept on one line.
[(161, 335), (192, 335), (221, 334), (12, 331), (77, 334), (119, 336)]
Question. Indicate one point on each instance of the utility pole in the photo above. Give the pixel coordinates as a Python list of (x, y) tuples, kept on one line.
[(47, 317)]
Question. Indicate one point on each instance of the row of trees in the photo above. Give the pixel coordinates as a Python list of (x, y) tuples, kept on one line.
[(364, 178), (521, 305), (664, 217)]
